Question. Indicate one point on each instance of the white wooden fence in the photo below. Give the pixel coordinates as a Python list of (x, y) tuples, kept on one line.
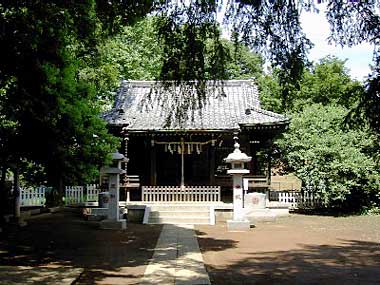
[(295, 199), (81, 194), (181, 194), (92, 192), (32, 197)]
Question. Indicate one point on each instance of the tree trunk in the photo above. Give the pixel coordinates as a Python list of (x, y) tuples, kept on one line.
[(3, 195), (61, 190), (16, 192)]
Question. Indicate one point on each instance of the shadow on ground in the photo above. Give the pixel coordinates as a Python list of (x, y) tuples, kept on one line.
[(65, 239), (42, 248), (300, 250)]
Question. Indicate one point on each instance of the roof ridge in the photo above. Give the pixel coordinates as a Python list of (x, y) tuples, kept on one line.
[(148, 83)]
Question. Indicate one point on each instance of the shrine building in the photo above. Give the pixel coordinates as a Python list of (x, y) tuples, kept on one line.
[(186, 155)]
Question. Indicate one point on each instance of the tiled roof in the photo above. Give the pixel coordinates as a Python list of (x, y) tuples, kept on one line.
[(140, 107)]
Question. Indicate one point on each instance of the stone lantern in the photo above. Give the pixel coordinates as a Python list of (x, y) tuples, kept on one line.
[(237, 159), (113, 172)]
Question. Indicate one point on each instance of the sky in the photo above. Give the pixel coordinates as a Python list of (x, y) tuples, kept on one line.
[(316, 28)]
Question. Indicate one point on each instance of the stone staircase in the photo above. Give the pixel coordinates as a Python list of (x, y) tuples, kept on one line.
[(177, 214)]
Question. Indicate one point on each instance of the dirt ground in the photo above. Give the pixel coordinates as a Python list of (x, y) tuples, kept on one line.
[(295, 250), (65, 239)]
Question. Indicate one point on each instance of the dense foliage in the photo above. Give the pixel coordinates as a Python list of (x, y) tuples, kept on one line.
[(326, 82), (334, 161), (50, 119), (333, 158), (137, 53)]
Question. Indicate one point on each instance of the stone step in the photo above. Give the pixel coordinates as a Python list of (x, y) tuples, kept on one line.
[(179, 214), (180, 220), (177, 207), (159, 214)]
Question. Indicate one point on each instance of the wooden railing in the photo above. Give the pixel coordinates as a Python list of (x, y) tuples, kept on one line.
[(130, 181), (295, 199), (31, 197), (181, 194)]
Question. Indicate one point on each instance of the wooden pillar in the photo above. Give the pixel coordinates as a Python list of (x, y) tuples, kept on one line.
[(153, 162), (212, 162), (182, 163), (269, 175), (253, 165), (125, 176)]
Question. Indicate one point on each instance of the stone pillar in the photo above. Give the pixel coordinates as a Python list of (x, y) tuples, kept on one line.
[(113, 208), (238, 197), (113, 220)]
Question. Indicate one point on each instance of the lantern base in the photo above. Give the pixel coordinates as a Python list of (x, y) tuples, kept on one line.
[(238, 226), (113, 225)]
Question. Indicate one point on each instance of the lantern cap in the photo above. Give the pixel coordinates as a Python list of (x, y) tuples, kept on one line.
[(111, 170), (237, 156), (118, 156)]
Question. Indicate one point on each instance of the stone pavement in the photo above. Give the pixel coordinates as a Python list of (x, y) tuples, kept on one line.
[(177, 259)]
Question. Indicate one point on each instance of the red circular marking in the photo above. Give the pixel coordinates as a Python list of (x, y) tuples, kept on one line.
[(255, 200)]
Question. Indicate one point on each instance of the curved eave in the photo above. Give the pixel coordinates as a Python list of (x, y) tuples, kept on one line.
[(266, 126), (179, 132)]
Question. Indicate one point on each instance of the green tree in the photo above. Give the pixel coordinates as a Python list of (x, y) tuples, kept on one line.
[(326, 82), (49, 117), (271, 92), (134, 53), (334, 160), (241, 62), (137, 53)]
